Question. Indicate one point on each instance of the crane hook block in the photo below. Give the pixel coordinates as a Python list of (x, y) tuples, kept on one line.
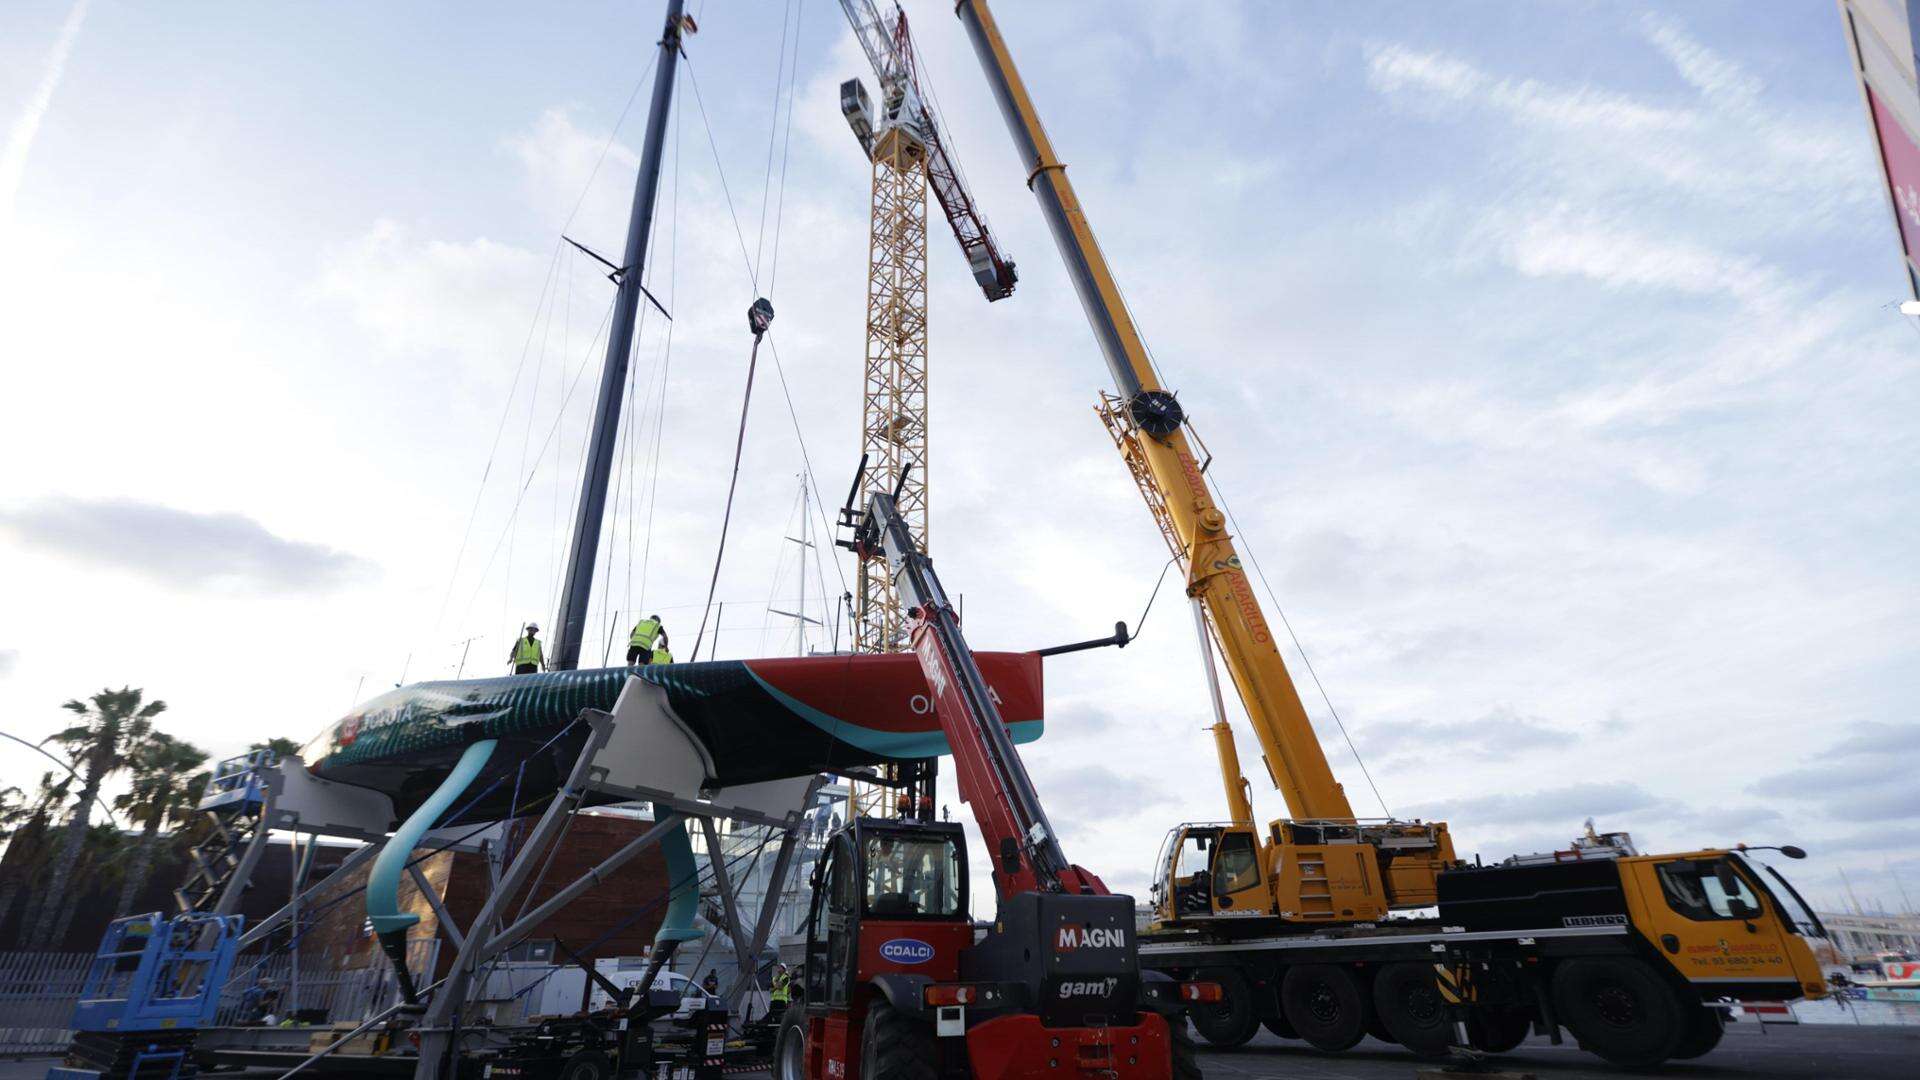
[(760, 316)]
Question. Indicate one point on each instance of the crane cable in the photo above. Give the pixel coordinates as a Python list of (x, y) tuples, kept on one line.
[(473, 512), (1154, 365)]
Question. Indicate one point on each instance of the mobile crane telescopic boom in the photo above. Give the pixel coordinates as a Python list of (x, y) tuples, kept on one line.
[(1293, 756)]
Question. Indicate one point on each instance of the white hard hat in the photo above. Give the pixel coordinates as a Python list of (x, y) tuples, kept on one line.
[(534, 627)]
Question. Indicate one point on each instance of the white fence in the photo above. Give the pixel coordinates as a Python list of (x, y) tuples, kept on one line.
[(38, 991), (37, 994)]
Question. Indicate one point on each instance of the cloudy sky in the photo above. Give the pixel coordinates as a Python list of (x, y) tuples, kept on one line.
[(1546, 354)]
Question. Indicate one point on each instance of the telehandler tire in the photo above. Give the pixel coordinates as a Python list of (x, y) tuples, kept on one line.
[(1410, 1008), (790, 1045), (1186, 1055), (1234, 1020), (1324, 1004), (895, 1046), (587, 1065), (1619, 1009)]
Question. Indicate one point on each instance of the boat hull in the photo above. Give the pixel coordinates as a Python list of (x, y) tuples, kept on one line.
[(757, 720)]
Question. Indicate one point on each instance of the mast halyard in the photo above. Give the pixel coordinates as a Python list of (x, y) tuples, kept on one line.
[(577, 589)]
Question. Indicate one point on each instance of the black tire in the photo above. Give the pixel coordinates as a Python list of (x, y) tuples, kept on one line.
[(1496, 1029), (790, 1045), (1324, 1004), (895, 1046), (1704, 1028), (1279, 1026), (1619, 1009), (1378, 1030), (1186, 1055), (587, 1065), (1411, 1009), (1234, 1020)]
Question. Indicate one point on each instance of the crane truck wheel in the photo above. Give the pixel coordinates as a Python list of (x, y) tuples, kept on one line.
[(1324, 1004), (895, 1046), (1410, 1008), (1704, 1028), (790, 1046), (1279, 1026), (1619, 1009), (1234, 1020), (1496, 1029)]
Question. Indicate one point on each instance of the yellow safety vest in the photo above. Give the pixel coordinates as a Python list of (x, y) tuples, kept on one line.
[(644, 632), (661, 656), (781, 993), (527, 652)]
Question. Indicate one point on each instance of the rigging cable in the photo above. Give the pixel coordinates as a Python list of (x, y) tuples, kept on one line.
[(726, 518), (1247, 546), (1154, 365), (473, 512), (747, 260), (772, 345)]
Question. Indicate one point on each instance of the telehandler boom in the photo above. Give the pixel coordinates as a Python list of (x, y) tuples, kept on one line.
[(898, 983)]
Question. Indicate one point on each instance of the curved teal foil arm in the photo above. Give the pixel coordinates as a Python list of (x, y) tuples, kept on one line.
[(683, 896), (383, 884)]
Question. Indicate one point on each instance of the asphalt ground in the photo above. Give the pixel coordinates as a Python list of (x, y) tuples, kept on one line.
[(1799, 1052), (1785, 1052)]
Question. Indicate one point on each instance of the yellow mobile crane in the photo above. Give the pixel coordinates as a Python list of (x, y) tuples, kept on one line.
[(1636, 955), (1321, 864)]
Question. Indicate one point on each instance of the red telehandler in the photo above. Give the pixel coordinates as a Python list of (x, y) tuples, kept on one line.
[(899, 984)]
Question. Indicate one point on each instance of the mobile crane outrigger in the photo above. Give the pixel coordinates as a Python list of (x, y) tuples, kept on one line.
[(897, 984), (1630, 952)]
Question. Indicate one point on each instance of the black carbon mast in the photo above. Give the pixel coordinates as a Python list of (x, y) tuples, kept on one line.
[(570, 625)]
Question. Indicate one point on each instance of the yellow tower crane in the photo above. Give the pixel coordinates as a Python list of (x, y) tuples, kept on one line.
[(909, 153)]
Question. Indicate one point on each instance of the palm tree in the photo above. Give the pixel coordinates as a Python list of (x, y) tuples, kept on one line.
[(165, 790), (26, 851), (112, 722), (281, 747)]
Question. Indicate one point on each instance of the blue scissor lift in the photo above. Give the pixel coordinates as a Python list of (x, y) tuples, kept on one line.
[(153, 984)]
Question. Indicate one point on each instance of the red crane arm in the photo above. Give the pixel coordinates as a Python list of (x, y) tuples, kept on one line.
[(987, 767)]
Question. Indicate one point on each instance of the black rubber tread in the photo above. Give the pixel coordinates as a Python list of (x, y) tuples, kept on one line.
[(1186, 1054), (1279, 1026), (1496, 1029), (1619, 1009), (1410, 1007), (1235, 1019), (1324, 1003), (895, 1046), (587, 1065), (793, 1020), (1376, 1029), (1704, 1028)]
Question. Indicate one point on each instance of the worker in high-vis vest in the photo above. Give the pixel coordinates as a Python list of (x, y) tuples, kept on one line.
[(782, 992), (661, 655), (648, 635), (527, 654)]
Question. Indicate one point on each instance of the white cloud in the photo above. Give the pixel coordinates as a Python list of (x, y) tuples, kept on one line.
[(180, 548), (426, 296)]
